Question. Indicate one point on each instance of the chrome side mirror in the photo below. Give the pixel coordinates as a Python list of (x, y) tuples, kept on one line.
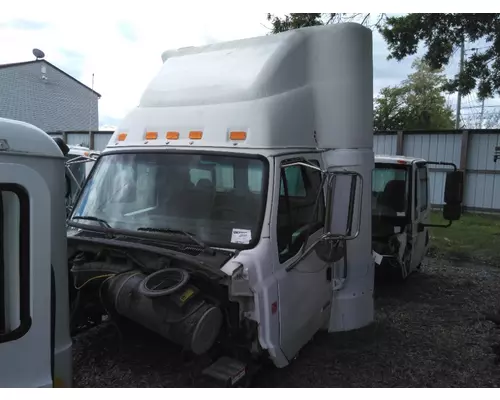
[(344, 194)]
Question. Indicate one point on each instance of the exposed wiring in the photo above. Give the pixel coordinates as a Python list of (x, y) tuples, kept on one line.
[(94, 278), (112, 318)]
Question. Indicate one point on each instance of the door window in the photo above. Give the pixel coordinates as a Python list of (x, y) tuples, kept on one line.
[(389, 190), (15, 313), (297, 215), (421, 193)]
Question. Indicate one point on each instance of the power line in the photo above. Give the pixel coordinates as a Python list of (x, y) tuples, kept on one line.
[(478, 48), (480, 106), (481, 115)]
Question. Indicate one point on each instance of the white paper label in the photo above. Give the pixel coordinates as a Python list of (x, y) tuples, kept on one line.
[(241, 236), (377, 257), (397, 229), (400, 214)]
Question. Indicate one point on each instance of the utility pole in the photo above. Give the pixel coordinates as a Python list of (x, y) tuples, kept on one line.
[(461, 68), (481, 117), (91, 137)]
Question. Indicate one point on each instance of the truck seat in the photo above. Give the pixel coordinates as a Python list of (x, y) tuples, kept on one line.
[(394, 195), (203, 198)]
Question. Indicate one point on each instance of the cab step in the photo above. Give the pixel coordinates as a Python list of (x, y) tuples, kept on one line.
[(228, 371)]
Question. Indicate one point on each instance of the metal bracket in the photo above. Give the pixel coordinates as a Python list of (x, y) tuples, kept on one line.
[(4, 145)]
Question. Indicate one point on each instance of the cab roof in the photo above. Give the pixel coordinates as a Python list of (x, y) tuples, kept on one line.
[(389, 159), (275, 91), (20, 137)]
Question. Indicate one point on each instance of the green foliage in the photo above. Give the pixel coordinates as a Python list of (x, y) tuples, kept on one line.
[(474, 237), (294, 21), (417, 103), (301, 20), (443, 34)]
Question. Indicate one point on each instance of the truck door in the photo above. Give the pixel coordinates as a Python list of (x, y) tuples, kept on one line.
[(421, 212), (25, 278), (305, 289)]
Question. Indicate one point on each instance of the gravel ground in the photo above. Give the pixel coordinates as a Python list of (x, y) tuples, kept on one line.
[(429, 332)]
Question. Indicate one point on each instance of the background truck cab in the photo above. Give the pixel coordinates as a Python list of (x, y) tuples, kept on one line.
[(79, 162), (401, 209)]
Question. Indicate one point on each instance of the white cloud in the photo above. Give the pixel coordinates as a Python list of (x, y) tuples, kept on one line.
[(122, 44)]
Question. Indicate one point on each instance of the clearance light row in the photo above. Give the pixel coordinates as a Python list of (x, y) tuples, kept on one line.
[(193, 135)]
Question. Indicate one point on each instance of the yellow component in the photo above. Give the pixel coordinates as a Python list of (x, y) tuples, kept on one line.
[(172, 135), (237, 135), (151, 135), (186, 295), (122, 137), (195, 135), (58, 383)]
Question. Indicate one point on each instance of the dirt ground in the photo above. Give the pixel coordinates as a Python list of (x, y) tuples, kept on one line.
[(429, 332)]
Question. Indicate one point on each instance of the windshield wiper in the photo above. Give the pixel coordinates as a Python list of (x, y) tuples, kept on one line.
[(101, 221), (177, 231)]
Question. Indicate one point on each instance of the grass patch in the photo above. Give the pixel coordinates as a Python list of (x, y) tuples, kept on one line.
[(475, 237)]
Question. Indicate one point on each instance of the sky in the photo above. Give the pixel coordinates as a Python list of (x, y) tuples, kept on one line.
[(122, 44)]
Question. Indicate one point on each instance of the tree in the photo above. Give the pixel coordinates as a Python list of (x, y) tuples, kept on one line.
[(491, 120), (485, 120), (443, 35), (301, 20), (416, 104)]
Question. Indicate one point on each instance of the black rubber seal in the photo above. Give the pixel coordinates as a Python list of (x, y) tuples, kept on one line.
[(175, 278)]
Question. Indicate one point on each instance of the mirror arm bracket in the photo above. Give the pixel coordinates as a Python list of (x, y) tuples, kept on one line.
[(303, 253), (421, 225)]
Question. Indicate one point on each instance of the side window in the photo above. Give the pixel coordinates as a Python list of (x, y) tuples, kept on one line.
[(316, 187), (221, 175), (422, 189), (421, 192), (146, 185), (198, 174), (15, 313), (224, 177), (295, 182), (297, 215), (255, 172), (78, 171)]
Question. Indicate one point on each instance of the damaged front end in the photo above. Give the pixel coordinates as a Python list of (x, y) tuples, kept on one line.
[(176, 291), (391, 244)]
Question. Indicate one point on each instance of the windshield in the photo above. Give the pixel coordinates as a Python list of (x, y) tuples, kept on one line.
[(219, 199), (390, 190)]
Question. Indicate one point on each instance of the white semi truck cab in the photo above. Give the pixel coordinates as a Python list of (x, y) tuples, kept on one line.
[(230, 212), (35, 342), (240, 186), (401, 207)]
